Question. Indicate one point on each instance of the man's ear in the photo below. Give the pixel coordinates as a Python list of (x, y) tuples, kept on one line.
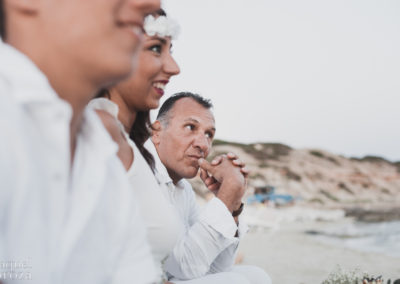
[(24, 6), (156, 129)]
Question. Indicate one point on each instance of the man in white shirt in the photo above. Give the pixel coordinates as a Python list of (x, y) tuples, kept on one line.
[(182, 138), (67, 214)]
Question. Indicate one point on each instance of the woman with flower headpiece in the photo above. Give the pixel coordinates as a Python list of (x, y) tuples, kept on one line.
[(124, 111)]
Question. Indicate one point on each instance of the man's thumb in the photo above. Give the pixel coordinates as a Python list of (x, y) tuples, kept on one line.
[(206, 165)]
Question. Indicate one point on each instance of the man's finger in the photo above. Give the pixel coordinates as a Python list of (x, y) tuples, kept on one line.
[(245, 170), (214, 187), (203, 175), (238, 163), (206, 165), (231, 156), (209, 181), (216, 160)]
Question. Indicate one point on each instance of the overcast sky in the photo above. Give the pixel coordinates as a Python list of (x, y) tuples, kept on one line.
[(310, 74)]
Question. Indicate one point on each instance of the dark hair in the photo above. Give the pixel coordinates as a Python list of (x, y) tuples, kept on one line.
[(170, 102), (139, 132), (2, 21)]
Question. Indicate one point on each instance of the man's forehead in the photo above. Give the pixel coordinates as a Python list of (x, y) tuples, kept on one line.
[(187, 109)]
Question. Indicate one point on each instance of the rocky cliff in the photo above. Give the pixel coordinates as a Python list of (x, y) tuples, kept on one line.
[(317, 177)]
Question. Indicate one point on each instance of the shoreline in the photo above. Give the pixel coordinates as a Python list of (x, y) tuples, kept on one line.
[(290, 255), (280, 242)]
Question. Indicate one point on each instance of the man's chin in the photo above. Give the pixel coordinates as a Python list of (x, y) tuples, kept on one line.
[(192, 172)]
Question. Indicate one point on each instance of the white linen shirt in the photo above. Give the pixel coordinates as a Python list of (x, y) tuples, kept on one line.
[(208, 244), (65, 224)]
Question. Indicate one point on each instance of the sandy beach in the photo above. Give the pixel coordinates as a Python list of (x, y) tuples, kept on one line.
[(290, 255)]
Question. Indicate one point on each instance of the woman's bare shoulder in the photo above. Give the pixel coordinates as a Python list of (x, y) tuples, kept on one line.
[(111, 125)]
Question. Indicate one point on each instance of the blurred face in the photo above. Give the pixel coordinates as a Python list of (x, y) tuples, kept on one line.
[(97, 37), (143, 89), (187, 137)]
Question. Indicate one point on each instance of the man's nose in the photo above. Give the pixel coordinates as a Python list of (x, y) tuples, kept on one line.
[(145, 7), (201, 142)]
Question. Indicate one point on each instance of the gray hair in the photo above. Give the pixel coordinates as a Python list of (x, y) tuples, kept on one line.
[(163, 113)]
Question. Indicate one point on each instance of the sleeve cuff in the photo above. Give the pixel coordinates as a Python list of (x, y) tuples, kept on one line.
[(216, 215)]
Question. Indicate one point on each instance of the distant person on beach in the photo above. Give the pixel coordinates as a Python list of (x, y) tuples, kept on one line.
[(124, 110), (181, 140), (67, 212)]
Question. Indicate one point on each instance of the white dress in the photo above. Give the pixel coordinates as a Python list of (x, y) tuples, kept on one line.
[(160, 216)]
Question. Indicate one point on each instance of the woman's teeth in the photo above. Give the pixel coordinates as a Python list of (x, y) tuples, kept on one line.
[(159, 85)]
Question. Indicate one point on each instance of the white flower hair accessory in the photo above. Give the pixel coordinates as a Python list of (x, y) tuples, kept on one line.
[(161, 26)]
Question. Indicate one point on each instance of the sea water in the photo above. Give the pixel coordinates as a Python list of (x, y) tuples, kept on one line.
[(381, 237)]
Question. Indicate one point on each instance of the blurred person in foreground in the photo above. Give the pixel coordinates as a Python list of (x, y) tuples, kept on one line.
[(205, 253), (67, 214)]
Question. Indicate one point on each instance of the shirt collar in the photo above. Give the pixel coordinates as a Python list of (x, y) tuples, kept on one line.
[(161, 171), (28, 82)]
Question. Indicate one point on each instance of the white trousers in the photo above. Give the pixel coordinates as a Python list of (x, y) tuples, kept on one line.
[(239, 274)]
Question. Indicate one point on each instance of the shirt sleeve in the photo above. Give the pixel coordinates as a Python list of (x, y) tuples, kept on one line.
[(204, 240), (226, 258)]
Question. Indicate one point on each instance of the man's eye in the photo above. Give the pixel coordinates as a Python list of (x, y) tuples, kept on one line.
[(156, 48), (209, 135), (189, 126)]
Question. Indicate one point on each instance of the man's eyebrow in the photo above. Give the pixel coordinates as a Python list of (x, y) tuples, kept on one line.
[(191, 119)]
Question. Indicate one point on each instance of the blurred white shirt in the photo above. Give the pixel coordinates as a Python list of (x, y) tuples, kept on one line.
[(61, 224), (208, 244)]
